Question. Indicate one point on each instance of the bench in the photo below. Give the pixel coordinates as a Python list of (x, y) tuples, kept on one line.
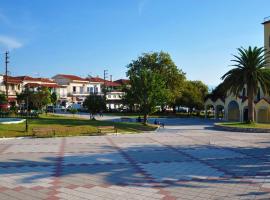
[(106, 128), (43, 131)]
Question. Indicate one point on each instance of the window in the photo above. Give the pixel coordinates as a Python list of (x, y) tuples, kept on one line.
[(81, 90), (91, 90), (114, 96), (96, 90), (109, 96), (88, 89), (74, 89)]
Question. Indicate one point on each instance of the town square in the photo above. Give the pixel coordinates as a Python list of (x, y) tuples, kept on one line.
[(134, 100)]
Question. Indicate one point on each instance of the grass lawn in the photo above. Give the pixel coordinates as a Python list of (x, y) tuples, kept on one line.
[(69, 126), (245, 125)]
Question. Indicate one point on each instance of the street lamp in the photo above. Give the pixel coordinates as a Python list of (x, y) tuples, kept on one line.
[(27, 108)]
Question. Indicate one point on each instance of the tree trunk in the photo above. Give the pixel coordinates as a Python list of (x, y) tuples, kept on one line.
[(145, 118), (174, 109), (250, 105)]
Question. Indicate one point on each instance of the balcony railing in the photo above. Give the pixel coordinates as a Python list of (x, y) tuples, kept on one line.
[(83, 93)]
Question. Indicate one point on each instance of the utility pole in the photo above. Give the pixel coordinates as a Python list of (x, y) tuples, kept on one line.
[(105, 76), (6, 72)]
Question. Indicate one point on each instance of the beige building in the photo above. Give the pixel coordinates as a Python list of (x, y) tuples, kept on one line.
[(16, 84), (235, 108)]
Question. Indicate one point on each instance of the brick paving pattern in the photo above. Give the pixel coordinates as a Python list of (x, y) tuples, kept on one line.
[(186, 160)]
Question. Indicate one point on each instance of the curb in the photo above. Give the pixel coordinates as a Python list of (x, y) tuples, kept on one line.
[(237, 129)]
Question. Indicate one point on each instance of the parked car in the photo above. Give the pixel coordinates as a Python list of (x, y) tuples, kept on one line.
[(76, 106)]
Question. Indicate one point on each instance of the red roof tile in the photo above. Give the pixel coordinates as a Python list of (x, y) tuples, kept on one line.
[(71, 77), (20, 79), (100, 80), (95, 79), (54, 85), (122, 81)]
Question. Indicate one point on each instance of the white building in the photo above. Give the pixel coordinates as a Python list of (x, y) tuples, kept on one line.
[(16, 84), (74, 89)]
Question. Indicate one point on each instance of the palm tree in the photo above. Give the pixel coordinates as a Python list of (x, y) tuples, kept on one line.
[(250, 71)]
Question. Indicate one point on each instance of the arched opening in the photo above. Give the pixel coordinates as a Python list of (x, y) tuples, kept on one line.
[(233, 111), (219, 112), (262, 115), (210, 111), (245, 114)]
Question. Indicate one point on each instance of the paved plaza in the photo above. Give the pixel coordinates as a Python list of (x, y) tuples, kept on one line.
[(187, 159)]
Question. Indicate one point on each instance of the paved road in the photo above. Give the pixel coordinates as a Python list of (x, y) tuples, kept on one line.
[(186, 160)]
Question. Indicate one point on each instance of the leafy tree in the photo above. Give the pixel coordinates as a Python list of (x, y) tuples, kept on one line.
[(54, 98), (147, 87), (193, 95), (250, 71), (162, 64), (41, 98), (3, 99), (128, 98), (36, 99), (94, 104), (218, 92)]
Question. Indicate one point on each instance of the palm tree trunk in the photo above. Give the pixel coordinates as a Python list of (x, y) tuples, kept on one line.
[(250, 105)]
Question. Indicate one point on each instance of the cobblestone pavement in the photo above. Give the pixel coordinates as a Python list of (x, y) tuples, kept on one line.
[(185, 160)]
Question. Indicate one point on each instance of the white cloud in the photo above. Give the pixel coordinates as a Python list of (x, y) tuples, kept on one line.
[(9, 43)]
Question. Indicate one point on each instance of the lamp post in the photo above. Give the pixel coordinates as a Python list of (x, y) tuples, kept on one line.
[(27, 107)]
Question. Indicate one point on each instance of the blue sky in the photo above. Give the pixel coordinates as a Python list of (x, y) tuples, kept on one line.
[(87, 36)]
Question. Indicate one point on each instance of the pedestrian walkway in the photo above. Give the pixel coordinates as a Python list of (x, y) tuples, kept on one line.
[(190, 162)]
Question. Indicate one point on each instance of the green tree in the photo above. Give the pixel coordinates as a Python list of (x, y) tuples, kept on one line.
[(3, 99), (147, 88), (249, 71), (54, 98), (94, 104), (41, 98), (162, 64), (73, 111), (193, 95), (36, 99), (218, 92)]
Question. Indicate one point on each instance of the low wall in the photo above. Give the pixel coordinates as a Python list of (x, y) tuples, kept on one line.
[(238, 129)]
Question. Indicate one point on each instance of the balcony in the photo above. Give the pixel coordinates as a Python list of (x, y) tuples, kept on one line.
[(77, 93)]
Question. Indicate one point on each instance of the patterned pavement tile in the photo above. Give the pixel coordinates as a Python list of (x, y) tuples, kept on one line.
[(178, 162), (180, 171), (24, 148), (27, 159), (101, 174), (93, 158), (242, 166), (91, 148), (157, 156), (27, 177), (211, 153)]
